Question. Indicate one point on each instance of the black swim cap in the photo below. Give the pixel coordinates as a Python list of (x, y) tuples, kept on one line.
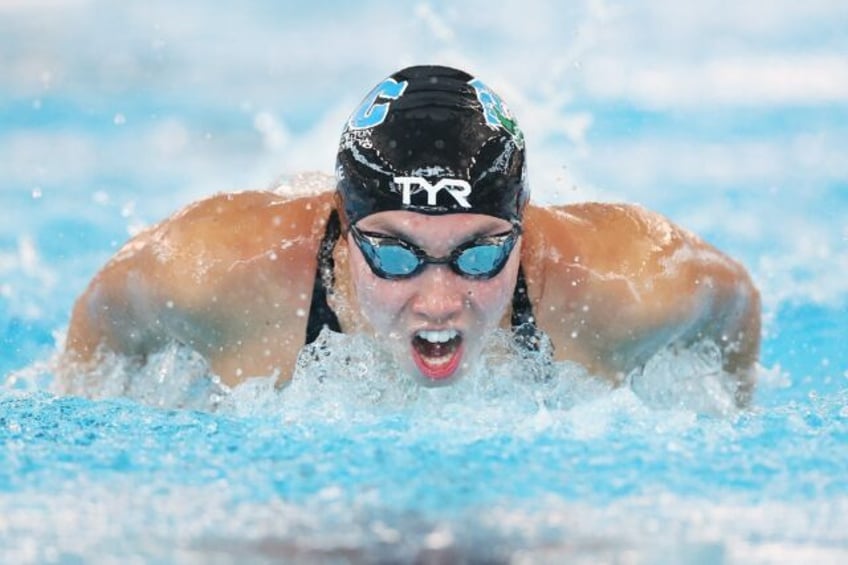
[(433, 140)]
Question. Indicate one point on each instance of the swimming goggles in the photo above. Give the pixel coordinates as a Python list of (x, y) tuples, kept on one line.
[(393, 258)]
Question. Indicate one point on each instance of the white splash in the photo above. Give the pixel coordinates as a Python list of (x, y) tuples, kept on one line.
[(351, 380)]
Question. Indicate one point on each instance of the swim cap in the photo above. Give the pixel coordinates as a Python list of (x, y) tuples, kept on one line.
[(433, 140)]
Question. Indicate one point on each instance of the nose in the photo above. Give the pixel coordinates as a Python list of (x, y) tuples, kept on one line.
[(439, 296)]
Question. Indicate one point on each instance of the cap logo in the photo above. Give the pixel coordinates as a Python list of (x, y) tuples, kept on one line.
[(457, 188), (370, 113), (496, 113)]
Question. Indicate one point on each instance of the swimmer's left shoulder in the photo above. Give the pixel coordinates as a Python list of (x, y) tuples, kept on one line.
[(622, 218), (616, 234)]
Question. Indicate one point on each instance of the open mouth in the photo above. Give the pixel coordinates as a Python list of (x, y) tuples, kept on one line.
[(437, 352)]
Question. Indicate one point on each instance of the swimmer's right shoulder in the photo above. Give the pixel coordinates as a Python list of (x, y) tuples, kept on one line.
[(220, 243), (233, 226), (250, 214), (229, 269)]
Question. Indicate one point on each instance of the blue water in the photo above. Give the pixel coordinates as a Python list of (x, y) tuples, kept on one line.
[(112, 116)]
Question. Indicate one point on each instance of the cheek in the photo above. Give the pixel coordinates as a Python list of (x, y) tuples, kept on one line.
[(378, 299), (492, 298)]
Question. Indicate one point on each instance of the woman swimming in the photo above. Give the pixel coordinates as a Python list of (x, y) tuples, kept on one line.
[(428, 243)]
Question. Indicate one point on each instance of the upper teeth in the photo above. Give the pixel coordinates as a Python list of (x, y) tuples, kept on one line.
[(438, 336)]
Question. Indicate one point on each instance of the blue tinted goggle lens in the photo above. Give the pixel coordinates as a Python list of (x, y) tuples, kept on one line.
[(393, 258)]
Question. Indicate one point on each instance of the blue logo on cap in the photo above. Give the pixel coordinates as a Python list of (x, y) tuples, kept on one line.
[(371, 112), (496, 112)]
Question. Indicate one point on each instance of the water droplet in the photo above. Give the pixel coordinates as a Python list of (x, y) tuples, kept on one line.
[(128, 209), (119, 119), (440, 538), (36, 193)]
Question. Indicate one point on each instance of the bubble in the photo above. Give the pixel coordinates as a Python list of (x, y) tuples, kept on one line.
[(440, 538), (128, 209)]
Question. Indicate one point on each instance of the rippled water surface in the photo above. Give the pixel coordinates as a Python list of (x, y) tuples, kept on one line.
[(114, 115)]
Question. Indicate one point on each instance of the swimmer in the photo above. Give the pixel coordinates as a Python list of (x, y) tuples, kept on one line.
[(428, 243)]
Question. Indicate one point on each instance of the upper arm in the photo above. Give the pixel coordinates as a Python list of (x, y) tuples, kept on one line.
[(114, 312), (230, 277), (624, 283)]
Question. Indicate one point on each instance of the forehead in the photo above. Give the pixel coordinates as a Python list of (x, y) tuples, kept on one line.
[(415, 225)]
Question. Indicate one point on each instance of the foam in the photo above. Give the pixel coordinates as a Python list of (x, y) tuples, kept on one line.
[(350, 379), (354, 460)]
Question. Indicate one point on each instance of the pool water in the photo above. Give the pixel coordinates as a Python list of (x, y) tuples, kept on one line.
[(114, 116), (355, 466)]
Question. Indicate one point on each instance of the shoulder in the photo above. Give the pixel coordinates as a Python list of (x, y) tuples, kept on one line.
[(613, 283), (227, 276), (593, 226), (229, 239), (606, 239), (234, 226), (603, 262), (239, 224)]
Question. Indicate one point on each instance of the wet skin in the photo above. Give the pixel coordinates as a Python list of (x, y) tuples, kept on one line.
[(232, 276)]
